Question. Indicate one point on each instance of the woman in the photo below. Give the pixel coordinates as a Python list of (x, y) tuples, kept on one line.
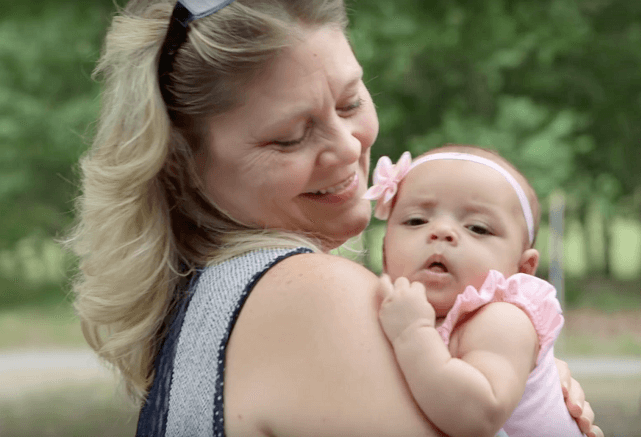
[(231, 155)]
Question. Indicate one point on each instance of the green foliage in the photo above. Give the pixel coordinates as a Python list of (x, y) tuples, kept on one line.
[(33, 271), (553, 85), (47, 103)]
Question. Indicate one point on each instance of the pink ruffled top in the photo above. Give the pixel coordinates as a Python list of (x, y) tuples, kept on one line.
[(536, 297)]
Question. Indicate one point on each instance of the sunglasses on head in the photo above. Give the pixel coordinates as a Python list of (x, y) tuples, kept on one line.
[(184, 13)]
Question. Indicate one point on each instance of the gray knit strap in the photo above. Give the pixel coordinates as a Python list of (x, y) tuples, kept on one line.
[(153, 414), (196, 395)]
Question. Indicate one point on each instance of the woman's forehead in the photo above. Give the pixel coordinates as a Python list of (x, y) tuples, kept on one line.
[(323, 50), (316, 70)]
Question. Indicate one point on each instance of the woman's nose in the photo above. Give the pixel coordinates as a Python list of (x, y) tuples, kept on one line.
[(441, 231), (342, 146)]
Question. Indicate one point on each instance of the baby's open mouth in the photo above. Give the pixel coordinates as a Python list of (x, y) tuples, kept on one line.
[(437, 267)]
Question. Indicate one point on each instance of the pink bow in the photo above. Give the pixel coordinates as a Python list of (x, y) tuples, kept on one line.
[(386, 178)]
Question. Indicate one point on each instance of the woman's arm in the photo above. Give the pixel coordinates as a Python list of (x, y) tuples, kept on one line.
[(307, 357), (494, 354)]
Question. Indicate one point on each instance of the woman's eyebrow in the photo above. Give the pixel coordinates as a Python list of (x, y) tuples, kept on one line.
[(358, 76), (290, 115)]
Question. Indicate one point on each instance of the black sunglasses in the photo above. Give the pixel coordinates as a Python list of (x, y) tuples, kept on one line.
[(184, 13)]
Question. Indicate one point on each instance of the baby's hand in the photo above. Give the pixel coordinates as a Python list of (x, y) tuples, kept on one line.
[(403, 304)]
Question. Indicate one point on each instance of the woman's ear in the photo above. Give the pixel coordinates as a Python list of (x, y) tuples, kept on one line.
[(529, 261)]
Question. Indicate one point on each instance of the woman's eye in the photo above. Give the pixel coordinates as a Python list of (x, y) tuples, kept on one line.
[(296, 141), (478, 229), (289, 143), (353, 107), (415, 221)]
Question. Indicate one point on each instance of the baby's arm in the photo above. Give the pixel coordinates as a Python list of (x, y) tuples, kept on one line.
[(475, 392)]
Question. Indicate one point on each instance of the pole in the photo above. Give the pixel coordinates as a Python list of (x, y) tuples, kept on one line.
[(556, 278)]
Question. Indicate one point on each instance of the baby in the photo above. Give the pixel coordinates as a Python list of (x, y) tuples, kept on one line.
[(465, 315)]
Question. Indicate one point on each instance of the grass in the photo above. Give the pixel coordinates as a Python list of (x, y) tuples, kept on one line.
[(40, 327), (92, 409), (616, 403), (573, 345)]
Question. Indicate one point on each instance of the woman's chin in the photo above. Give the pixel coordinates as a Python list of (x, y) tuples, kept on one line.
[(351, 229)]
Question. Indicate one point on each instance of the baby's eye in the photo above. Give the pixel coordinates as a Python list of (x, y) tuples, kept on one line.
[(479, 229), (415, 221)]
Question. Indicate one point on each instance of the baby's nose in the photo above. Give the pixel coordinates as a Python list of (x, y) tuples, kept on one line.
[(443, 232)]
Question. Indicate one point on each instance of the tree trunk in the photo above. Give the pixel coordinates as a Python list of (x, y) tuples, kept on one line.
[(588, 248), (607, 242)]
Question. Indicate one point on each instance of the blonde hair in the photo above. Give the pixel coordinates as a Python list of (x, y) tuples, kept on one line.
[(495, 156), (144, 221)]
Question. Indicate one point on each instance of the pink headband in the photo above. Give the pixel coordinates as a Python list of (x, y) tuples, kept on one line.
[(387, 176)]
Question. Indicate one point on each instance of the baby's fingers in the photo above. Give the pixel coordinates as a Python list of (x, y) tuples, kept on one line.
[(418, 289), (385, 288), (402, 283)]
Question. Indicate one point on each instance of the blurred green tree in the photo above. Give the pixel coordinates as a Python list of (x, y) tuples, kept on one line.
[(47, 103)]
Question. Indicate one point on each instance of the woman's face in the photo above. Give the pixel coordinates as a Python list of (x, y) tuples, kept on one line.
[(295, 154)]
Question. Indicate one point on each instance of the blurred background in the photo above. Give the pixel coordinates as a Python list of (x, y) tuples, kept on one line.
[(553, 85)]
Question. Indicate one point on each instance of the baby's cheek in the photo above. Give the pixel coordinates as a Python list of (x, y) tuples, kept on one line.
[(395, 269), (399, 254), (391, 268), (478, 279)]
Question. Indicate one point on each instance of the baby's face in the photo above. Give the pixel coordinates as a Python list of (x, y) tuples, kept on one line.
[(453, 221)]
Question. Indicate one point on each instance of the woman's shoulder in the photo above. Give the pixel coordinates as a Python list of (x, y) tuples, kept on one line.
[(308, 357), (322, 261), (333, 286), (316, 271)]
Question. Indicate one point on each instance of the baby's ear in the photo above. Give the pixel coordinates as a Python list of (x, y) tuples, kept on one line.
[(529, 261)]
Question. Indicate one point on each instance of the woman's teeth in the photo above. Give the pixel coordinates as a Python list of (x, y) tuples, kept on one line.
[(335, 188)]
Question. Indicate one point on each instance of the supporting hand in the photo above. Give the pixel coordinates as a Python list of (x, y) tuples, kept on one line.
[(574, 397), (403, 304)]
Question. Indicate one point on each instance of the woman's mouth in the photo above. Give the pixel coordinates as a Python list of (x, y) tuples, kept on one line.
[(335, 188), (339, 193)]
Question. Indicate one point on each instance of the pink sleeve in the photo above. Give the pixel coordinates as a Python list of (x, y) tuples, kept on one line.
[(536, 297)]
